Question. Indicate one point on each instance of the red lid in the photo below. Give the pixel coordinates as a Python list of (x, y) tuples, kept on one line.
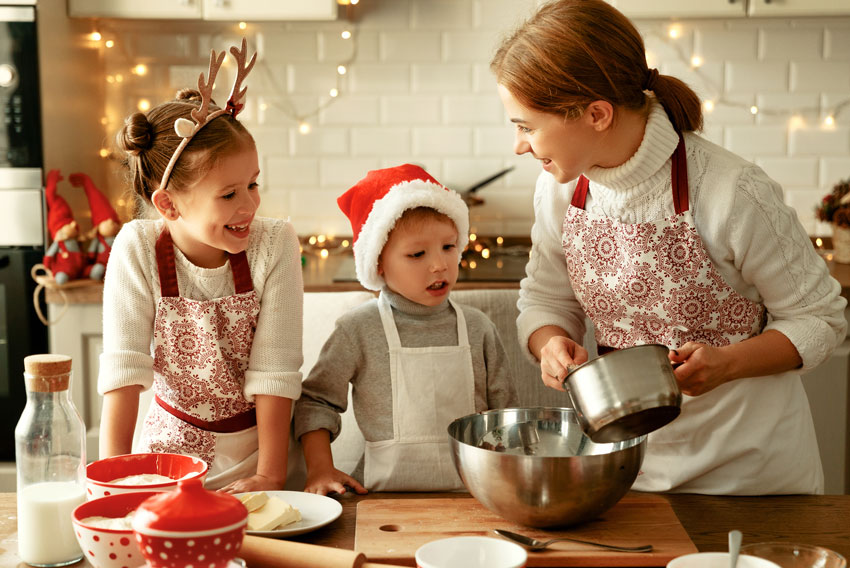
[(189, 509)]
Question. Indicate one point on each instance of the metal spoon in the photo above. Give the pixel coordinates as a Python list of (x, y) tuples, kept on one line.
[(533, 544), (734, 547)]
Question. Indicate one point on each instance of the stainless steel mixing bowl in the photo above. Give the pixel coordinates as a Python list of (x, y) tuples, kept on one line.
[(535, 466)]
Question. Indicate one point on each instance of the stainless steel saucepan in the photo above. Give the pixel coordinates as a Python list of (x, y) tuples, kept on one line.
[(625, 393)]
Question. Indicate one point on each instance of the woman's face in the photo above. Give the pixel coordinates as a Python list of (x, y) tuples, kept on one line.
[(563, 146)]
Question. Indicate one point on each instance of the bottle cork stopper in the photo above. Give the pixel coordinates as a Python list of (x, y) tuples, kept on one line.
[(47, 365)]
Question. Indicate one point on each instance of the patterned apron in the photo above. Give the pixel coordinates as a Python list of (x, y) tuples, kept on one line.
[(432, 386), (201, 352), (654, 282)]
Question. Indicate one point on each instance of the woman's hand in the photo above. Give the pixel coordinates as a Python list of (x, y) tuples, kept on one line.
[(330, 481), (702, 367), (556, 357), (253, 483)]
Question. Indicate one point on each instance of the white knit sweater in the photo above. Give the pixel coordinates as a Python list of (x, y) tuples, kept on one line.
[(131, 291), (754, 240)]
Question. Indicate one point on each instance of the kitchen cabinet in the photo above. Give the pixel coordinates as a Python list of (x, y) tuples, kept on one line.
[(232, 10), (788, 8), (730, 8), (682, 8)]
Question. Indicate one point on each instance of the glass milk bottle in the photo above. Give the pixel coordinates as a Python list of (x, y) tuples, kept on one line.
[(50, 452)]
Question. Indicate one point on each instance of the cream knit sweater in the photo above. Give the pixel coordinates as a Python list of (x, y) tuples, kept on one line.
[(754, 240), (131, 291)]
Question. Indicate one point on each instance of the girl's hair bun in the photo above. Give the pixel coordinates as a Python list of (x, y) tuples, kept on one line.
[(188, 95), (137, 134)]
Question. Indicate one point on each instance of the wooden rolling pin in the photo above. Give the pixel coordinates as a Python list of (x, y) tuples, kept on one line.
[(260, 552)]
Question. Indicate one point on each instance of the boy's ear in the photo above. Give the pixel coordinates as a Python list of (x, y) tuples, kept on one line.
[(165, 205), (380, 267)]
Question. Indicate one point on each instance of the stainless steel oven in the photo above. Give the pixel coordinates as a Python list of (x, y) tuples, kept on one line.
[(22, 211)]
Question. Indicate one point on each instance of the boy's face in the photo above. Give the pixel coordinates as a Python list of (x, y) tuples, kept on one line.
[(420, 260)]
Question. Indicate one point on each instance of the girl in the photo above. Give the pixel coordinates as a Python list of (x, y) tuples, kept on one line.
[(204, 303), (659, 236)]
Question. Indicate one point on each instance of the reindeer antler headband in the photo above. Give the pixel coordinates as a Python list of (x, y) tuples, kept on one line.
[(185, 128)]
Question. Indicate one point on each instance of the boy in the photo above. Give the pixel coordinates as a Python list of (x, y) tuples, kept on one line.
[(415, 359)]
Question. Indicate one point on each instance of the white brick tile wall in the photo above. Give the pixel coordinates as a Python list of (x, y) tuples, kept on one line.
[(411, 109), (472, 109), (753, 77), (796, 45), (410, 46), (837, 44), (791, 171), (442, 78), (440, 14), (834, 170), (442, 141), (366, 141), (819, 142), (765, 140), (827, 75), (420, 90), (473, 47), (729, 45), (326, 141)]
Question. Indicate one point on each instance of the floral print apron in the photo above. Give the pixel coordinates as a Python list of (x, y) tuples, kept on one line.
[(654, 282), (201, 351)]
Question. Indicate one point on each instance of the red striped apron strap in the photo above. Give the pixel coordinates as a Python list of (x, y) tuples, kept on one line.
[(166, 266), (241, 273), (680, 177), (580, 193)]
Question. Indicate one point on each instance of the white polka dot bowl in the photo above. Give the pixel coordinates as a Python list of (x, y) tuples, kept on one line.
[(106, 547), (190, 527), (126, 474)]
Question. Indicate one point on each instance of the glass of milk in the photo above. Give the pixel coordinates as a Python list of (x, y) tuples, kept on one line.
[(50, 456)]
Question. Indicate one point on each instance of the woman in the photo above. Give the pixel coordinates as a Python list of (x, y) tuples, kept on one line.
[(659, 236)]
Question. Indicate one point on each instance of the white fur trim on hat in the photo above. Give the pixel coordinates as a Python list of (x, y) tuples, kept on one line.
[(387, 210)]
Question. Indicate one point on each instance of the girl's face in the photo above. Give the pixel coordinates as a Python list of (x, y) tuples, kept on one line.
[(565, 147), (420, 260), (215, 213)]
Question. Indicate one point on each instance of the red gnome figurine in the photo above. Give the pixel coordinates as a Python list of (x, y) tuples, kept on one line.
[(63, 256), (105, 225)]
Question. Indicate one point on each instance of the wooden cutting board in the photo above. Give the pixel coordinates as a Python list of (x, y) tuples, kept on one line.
[(390, 530)]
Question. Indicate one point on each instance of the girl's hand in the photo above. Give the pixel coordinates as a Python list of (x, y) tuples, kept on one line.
[(556, 357), (253, 483), (703, 367), (331, 481)]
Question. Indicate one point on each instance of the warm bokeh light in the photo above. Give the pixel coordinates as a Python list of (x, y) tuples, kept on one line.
[(341, 69), (708, 106), (321, 239), (140, 69), (312, 240), (95, 36), (473, 264), (334, 92), (103, 152), (472, 237), (345, 243), (754, 109), (144, 105), (324, 253), (829, 121), (796, 122), (243, 25), (109, 43), (500, 241), (674, 31), (696, 61), (485, 253), (304, 128), (345, 34)]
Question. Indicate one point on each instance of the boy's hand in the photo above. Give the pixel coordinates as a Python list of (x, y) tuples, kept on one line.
[(330, 481), (253, 483)]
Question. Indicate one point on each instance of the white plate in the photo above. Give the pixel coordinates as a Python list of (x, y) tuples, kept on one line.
[(316, 511)]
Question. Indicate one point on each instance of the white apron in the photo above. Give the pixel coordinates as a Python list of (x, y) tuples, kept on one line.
[(655, 283), (431, 387), (201, 352)]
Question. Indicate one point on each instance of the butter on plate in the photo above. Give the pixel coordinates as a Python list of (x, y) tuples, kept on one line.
[(267, 513)]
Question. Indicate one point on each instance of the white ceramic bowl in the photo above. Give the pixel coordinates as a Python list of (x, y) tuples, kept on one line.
[(109, 548), (470, 552), (100, 474), (718, 560)]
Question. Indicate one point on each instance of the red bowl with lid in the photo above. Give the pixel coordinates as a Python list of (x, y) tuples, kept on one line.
[(190, 526), (104, 477), (104, 532)]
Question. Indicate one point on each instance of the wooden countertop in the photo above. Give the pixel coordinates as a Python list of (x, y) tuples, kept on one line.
[(801, 519)]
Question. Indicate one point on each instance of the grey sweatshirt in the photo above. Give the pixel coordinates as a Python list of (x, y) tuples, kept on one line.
[(357, 352)]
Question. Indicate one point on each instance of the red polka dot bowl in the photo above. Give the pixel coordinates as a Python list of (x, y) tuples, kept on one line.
[(190, 527), (101, 475), (107, 547)]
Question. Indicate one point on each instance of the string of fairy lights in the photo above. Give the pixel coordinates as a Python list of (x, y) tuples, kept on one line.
[(827, 115)]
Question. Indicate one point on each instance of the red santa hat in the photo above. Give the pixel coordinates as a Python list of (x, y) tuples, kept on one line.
[(59, 212), (101, 208), (377, 201)]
